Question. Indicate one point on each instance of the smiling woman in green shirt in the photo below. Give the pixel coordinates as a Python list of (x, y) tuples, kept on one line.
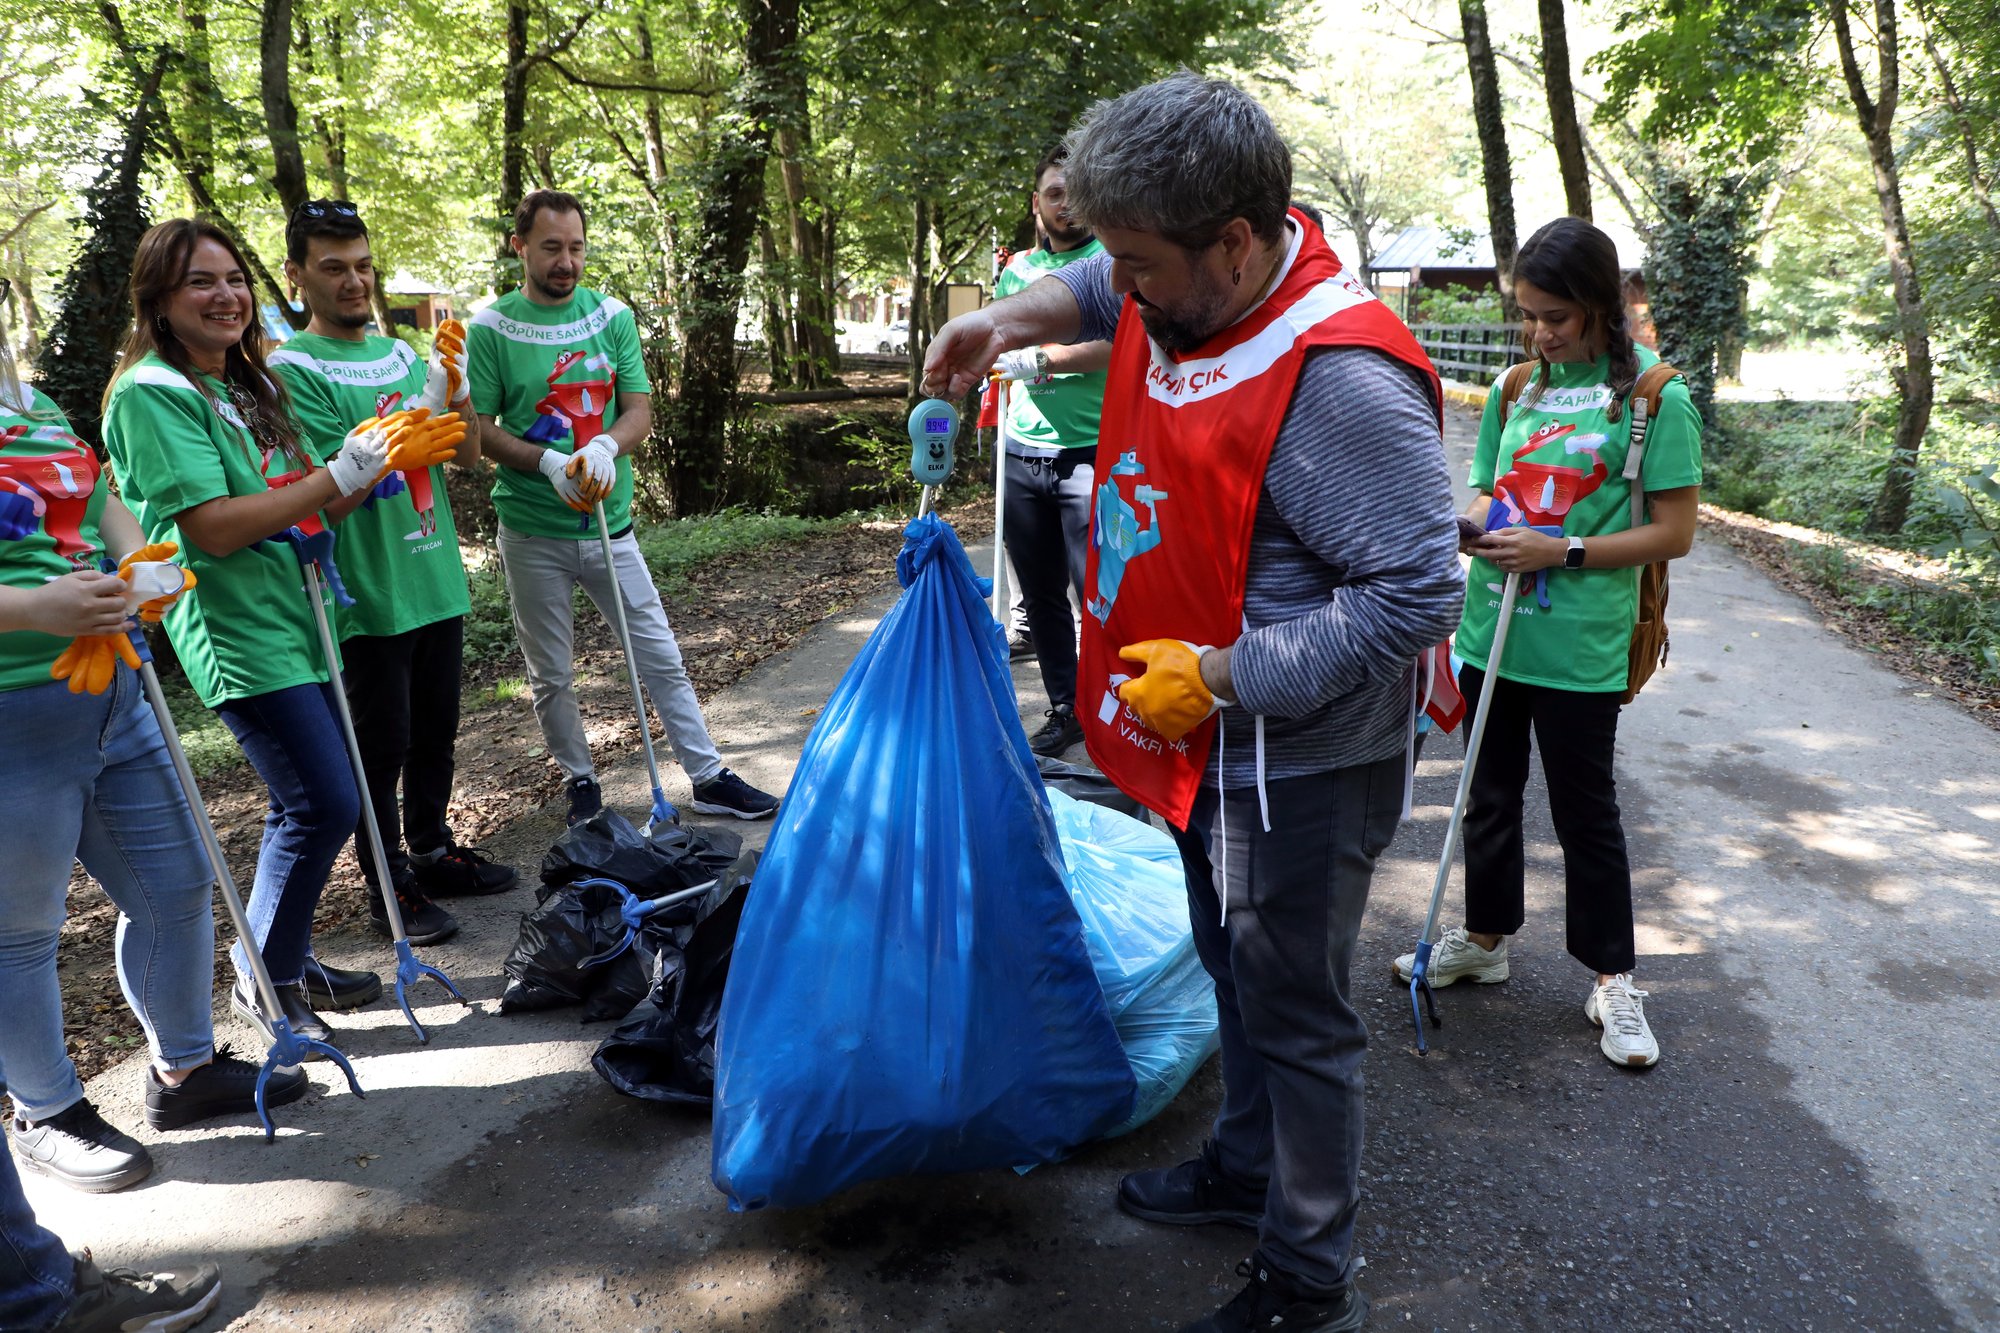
[(207, 454), (1561, 455)]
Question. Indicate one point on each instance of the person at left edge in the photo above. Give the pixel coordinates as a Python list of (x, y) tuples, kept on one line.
[(207, 454), (559, 364), (403, 640)]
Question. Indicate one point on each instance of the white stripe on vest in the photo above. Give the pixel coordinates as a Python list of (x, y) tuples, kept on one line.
[(1179, 383), (551, 335)]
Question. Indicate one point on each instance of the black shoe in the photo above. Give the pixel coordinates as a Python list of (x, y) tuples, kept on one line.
[(223, 1086), (727, 794), (586, 798), (1272, 1301), (78, 1147), (1061, 731), (462, 872), (116, 1300), (1020, 644), (424, 922), (335, 988), (292, 1000), (1192, 1194)]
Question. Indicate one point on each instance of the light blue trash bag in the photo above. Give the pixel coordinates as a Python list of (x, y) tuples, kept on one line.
[(910, 991), (1126, 881)]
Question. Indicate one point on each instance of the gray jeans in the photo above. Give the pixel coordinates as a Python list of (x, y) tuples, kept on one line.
[(542, 574), (1291, 1043)]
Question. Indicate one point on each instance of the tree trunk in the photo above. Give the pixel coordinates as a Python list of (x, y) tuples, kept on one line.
[(1975, 172), (732, 200), (31, 313), (920, 289), (1563, 129), (281, 121), (1876, 114), (779, 349), (513, 123), (199, 99), (1495, 165), (817, 357)]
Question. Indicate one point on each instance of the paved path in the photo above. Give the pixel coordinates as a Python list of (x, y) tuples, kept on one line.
[(1819, 929)]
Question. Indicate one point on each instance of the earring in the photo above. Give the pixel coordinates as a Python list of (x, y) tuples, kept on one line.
[(1235, 277)]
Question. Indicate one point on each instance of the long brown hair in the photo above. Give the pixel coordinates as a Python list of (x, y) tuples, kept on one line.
[(1574, 261), (159, 269)]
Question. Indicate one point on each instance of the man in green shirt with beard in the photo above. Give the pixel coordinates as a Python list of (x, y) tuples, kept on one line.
[(562, 396), (403, 639)]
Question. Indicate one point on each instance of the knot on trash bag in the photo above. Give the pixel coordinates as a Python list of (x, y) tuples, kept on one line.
[(928, 539)]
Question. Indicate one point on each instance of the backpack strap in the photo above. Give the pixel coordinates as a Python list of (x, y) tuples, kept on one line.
[(1642, 406), (1512, 384)]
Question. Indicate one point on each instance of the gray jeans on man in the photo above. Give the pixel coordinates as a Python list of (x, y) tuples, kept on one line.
[(542, 574), (1291, 1043)]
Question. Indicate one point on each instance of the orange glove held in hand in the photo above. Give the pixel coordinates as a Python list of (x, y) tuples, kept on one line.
[(154, 611), (89, 663), (1170, 697), (425, 443)]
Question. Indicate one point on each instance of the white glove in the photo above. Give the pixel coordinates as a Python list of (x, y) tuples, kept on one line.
[(438, 378), (1023, 363), (595, 467), (554, 465), (363, 457)]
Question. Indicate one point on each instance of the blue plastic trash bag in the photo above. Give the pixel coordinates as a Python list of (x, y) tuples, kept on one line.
[(911, 992), (1125, 878)]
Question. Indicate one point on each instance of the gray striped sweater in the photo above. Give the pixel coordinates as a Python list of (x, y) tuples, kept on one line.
[(1353, 560)]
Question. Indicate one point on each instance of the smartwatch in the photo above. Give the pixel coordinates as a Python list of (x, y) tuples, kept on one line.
[(1573, 557)]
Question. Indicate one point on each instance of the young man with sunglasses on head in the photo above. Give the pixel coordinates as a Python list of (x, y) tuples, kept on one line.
[(563, 401), (402, 642)]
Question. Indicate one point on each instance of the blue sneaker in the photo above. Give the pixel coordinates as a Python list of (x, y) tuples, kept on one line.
[(727, 794)]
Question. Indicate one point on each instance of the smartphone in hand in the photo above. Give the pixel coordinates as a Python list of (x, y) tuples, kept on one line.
[(1468, 531)]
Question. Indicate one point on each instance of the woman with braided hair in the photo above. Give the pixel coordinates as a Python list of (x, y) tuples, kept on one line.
[(1553, 503)]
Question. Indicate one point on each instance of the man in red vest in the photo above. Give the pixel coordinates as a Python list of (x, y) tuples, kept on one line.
[(1273, 548)]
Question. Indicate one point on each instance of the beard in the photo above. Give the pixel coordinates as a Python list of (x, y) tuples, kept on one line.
[(1065, 238), (1192, 321), (555, 288), (359, 321)]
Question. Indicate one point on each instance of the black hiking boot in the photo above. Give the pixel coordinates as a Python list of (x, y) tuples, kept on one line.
[(1271, 1300), (1192, 1194)]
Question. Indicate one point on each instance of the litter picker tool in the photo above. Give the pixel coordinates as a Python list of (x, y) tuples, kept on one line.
[(288, 1048), (1420, 981), (933, 427), (1000, 505), (634, 912), (662, 813), (409, 969)]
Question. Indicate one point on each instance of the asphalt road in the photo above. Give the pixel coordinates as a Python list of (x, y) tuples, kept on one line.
[(1818, 1149)]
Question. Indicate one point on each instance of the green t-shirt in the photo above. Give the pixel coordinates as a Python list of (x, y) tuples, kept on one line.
[(245, 628), (398, 554), (1055, 411), (582, 354), (50, 501), (1581, 640)]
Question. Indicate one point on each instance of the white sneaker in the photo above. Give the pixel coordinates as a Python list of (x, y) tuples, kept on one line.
[(1456, 958), (1616, 1007)]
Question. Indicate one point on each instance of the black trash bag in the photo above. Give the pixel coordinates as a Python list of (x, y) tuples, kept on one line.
[(664, 1051), (545, 968), (606, 845), (1085, 784)]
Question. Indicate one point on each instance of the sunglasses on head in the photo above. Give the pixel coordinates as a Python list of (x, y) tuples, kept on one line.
[(322, 208)]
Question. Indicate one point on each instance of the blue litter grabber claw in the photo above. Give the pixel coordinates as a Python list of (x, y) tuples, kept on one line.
[(634, 912), (288, 1048), (409, 970)]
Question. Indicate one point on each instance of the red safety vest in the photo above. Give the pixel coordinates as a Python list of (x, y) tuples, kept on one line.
[(1180, 466)]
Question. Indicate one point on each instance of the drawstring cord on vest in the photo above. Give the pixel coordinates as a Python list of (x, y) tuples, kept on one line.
[(1222, 804)]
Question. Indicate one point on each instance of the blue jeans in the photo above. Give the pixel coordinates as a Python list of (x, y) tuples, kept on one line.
[(292, 738), (37, 1276), (86, 777)]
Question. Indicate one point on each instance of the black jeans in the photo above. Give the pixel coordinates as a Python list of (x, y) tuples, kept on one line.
[(403, 692), (1577, 734), (1048, 531), (1292, 1044)]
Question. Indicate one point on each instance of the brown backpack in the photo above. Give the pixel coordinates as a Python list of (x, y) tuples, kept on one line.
[(1649, 647)]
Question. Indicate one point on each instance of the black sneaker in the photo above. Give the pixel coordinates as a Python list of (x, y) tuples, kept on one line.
[(586, 798), (727, 794), (1020, 644), (462, 872), (78, 1147), (423, 920), (336, 988), (1192, 1194), (119, 1300), (1272, 1301), (1061, 731), (223, 1086)]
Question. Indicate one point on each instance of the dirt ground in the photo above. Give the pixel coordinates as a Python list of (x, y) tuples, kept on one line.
[(740, 610)]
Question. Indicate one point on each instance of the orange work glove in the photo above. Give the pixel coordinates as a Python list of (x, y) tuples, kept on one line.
[(153, 611), (425, 442), (1169, 697), (89, 663), (444, 380)]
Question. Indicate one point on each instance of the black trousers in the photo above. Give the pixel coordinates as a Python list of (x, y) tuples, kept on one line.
[(403, 692), (1048, 531), (1577, 734)]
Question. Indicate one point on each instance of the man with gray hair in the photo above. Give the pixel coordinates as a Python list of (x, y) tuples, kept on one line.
[(1273, 547)]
